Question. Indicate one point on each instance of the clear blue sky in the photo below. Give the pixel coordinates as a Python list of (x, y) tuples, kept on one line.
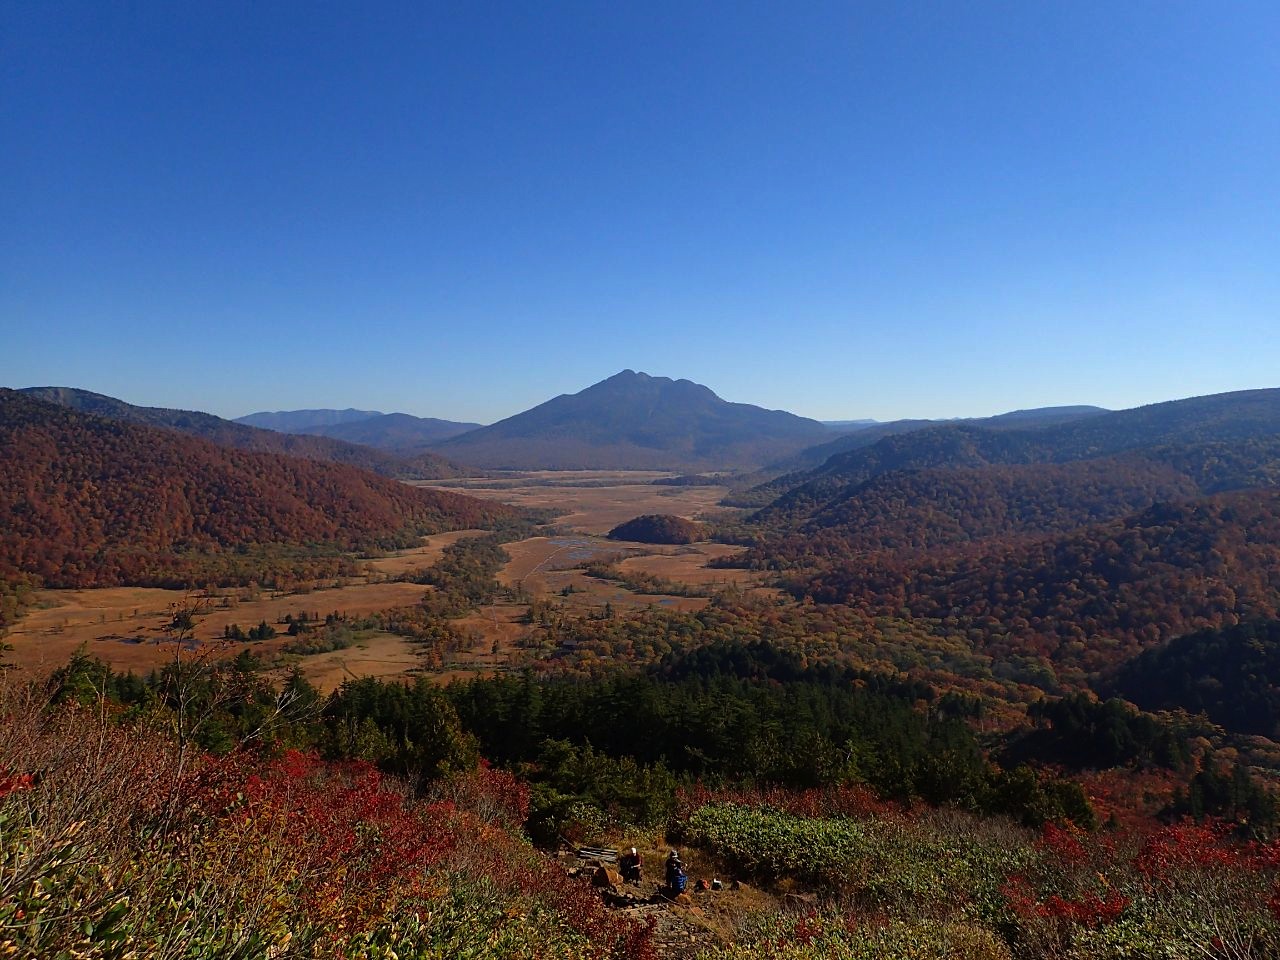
[(855, 209)]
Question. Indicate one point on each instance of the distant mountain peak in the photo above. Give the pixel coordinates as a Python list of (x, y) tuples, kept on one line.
[(629, 376), (634, 380), (633, 420)]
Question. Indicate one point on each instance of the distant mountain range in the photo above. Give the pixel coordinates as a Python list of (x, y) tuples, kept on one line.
[(635, 421), (631, 421), (88, 500), (305, 421), (228, 433), (1011, 439), (849, 424), (868, 432), (397, 433)]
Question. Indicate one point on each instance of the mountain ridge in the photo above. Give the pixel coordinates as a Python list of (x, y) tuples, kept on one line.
[(87, 500), (857, 437), (297, 421), (239, 436), (399, 433), (1224, 417), (632, 420)]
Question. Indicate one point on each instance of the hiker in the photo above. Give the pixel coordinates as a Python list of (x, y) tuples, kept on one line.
[(629, 866), (676, 876)]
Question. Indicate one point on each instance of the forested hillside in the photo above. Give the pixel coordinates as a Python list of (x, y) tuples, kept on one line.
[(947, 508), (238, 436), (659, 528), (917, 510), (1220, 418), (1046, 543), (87, 501), (1232, 675), (815, 456), (1089, 598)]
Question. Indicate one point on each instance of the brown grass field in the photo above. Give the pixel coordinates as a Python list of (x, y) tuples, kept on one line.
[(418, 558), (594, 509), (125, 626), (382, 655)]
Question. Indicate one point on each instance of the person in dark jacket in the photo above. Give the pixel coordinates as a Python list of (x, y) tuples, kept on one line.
[(676, 876), (629, 866)]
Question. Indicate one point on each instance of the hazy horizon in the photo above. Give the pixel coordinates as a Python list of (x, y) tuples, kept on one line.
[(445, 415)]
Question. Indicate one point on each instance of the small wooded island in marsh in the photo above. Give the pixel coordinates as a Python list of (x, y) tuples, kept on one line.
[(659, 528)]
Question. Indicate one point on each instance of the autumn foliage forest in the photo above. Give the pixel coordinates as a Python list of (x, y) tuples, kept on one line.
[(88, 502), (985, 692)]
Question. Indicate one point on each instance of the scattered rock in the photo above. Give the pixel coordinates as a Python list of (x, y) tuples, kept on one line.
[(615, 898), (604, 877)]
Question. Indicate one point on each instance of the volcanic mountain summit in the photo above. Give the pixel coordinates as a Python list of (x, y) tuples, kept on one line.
[(637, 422)]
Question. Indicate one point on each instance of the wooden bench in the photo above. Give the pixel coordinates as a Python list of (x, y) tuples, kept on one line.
[(603, 854)]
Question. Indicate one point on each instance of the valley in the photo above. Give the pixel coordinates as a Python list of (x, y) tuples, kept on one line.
[(640, 481), (126, 627), (1005, 661), (591, 501)]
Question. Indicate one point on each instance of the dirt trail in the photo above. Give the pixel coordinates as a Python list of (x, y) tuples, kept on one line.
[(682, 930), (695, 922)]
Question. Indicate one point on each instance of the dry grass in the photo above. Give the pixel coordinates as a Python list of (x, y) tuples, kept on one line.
[(405, 561), (597, 510), (383, 655), (123, 625), (533, 560)]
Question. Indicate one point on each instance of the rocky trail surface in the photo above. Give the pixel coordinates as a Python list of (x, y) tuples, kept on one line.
[(684, 927)]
